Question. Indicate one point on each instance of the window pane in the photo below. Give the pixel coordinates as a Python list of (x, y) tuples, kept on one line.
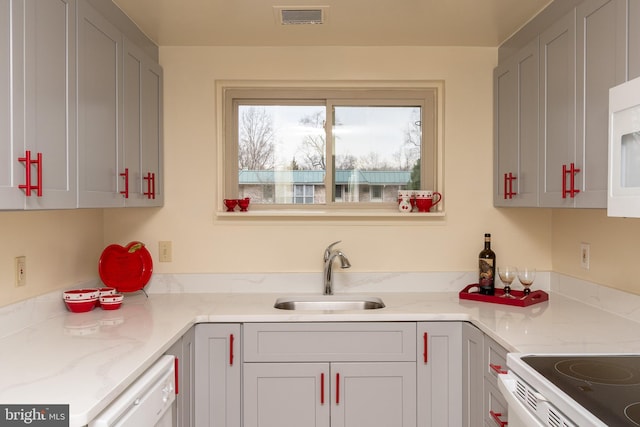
[(281, 148), (376, 148)]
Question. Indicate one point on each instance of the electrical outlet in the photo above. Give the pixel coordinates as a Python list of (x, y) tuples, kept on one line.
[(165, 251), (585, 249), (21, 270)]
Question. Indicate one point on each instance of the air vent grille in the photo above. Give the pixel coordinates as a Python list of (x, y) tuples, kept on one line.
[(298, 16)]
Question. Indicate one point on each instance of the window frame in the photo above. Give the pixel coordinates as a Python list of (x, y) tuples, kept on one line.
[(427, 94)]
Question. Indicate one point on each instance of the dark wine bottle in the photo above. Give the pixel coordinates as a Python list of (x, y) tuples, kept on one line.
[(487, 267)]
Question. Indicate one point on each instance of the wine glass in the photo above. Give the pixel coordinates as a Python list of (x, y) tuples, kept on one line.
[(526, 276), (507, 276)]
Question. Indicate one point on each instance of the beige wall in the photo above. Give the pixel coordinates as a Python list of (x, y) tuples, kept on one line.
[(62, 250), (203, 243), (62, 247), (615, 247)]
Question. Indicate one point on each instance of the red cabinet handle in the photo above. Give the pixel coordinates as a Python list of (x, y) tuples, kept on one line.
[(231, 349), (426, 347), (151, 185), (496, 417), (27, 187), (571, 171), (177, 365), (337, 389), (125, 175), (39, 169), (497, 368), (322, 388), (508, 186)]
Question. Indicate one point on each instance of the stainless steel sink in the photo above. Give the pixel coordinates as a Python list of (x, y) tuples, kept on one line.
[(329, 302)]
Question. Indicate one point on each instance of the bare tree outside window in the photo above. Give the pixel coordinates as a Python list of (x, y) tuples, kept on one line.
[(256, 139), (313, 148)]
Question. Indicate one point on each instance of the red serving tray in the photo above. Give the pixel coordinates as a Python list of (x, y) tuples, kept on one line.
[(520, 300)]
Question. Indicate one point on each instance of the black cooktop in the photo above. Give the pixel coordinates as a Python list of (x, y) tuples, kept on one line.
[(607, 386)]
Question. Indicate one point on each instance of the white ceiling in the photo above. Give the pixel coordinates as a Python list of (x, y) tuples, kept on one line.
[(349, 23)]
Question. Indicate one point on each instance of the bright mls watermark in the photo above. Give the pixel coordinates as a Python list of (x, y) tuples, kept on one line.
[(34, 415)]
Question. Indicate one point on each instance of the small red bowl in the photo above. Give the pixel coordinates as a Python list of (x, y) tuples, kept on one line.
[(81, 294), (110, 305), (111, 302), (111, 299), (81, 306), (244, 204), (106, 291)]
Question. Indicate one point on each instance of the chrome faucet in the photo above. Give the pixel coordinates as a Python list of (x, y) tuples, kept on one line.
[(329, 256)]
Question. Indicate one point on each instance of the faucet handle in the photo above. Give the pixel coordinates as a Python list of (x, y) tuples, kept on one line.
[(327, 252)]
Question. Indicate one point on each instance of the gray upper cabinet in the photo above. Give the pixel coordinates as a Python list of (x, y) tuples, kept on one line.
[(633, 47), (516, 129), (142, 127), (557, 110), (120, 117), (601, 62), (10, 197), (581, 55), (38, 109), (100, 150)]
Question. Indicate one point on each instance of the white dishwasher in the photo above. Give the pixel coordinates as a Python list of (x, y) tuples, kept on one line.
[(148, 402)]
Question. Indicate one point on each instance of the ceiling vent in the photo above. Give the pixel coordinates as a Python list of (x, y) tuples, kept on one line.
[(296, 15)]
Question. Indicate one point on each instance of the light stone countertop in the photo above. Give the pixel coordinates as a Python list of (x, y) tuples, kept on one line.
[(88, 359)]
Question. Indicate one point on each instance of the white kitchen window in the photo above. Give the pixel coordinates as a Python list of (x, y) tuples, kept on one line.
[(316, 146)]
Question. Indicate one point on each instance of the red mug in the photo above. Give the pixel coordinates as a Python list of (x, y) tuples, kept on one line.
[(425, 200)]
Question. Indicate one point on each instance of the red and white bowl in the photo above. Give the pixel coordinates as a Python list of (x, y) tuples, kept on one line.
[(106, 291), (81, 294), (111, 302), (81, 306)]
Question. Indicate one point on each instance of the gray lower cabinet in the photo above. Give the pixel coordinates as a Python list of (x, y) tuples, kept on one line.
[(472, 376), (482, 360), (218, 363), (495, 362), (375, 394), (439, 374), (329, 374), (184, 351)]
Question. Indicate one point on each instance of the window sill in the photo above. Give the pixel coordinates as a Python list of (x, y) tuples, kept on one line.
[(364, 214)]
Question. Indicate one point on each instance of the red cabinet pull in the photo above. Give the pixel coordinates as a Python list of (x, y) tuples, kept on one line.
[(426, 347), (496, 417), (337, 389), (177, 365), (231, 349), (571, 171), (27, 187), (497, 369), (508, 186), (322, 388), (125, 175), (151, 185)]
